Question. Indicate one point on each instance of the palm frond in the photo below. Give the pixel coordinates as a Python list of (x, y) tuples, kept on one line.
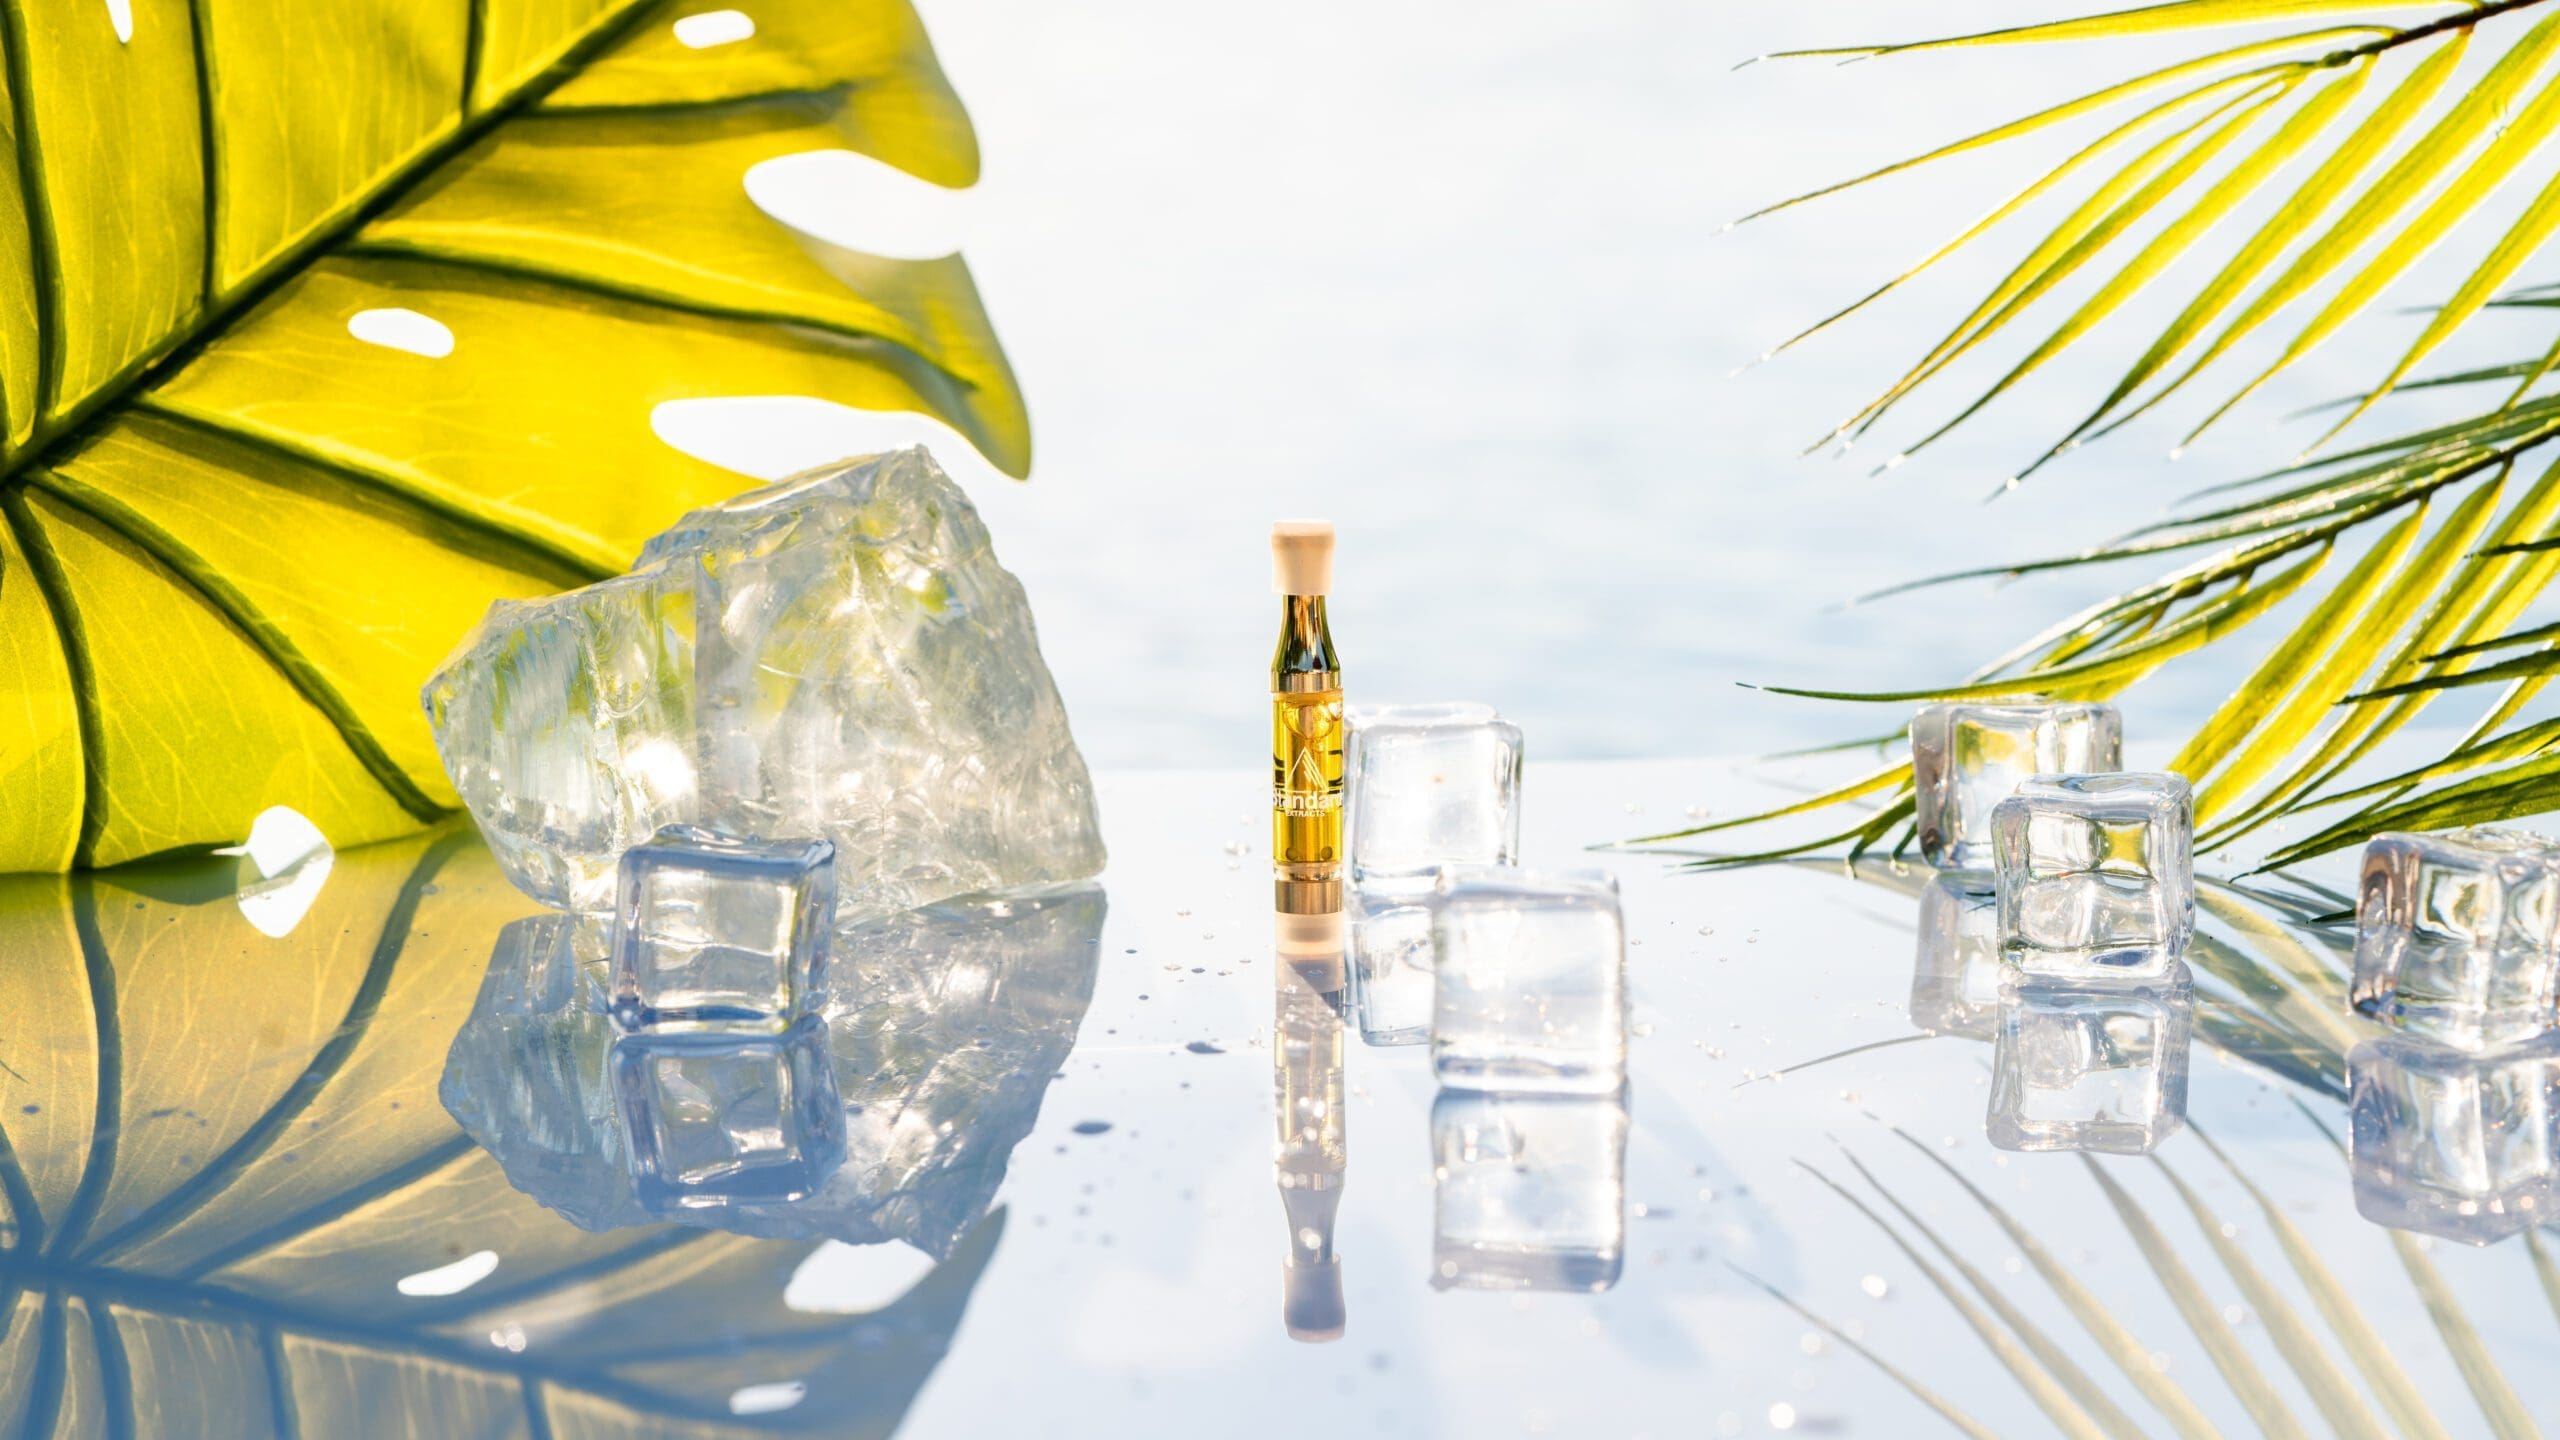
[(2368, 138), (2268, 103)]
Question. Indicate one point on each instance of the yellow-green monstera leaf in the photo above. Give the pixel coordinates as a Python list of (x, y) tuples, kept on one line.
[(239, 532)]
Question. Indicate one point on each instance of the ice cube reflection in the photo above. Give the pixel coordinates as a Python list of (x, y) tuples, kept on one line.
[(712, 1118), (1530, 1191), (2454, 1144), (2087, 1067), (1956, 974), (945, 1026)]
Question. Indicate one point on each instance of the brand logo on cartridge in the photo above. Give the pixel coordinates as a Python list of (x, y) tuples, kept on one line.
[(1303, 789), (1306, 790)]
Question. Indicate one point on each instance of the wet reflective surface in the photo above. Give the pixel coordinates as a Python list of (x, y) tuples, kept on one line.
[(1101, 1161)]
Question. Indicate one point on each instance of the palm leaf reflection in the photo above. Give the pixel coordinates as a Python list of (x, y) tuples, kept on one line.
[(222, 1155), (2270, 981)]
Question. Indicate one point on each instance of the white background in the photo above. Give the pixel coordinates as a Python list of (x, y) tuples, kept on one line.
[(1454, 275)]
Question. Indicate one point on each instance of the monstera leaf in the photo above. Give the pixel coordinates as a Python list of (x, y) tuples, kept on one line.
[(323, 326), (221, 1155)]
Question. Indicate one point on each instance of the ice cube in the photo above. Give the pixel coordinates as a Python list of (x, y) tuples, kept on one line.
[(711, 930), (1957, 974), (2096, 874), (1966, 758), (1431, 785), (1530, 981), (2455, 1143), (716, 1119), (1391, 961), (2455, 935), (1531, 1191), (2090, 1067)]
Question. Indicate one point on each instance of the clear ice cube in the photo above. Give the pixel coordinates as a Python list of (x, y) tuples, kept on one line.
[(714, 1119), (2096, 874), (1957, 973), (2090, 1068), (1530, 1192), (2454, 1143), (2455, 935), (1391, 961), (1530, 981), (1968, 757), (712, 930), (1431, 785)]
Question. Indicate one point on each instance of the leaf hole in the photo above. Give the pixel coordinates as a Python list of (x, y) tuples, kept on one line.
[(291, 860), (396, 329), (771, 436), (767, 1398), (120, 15), (841, 1279), (451, 1279), (861, 204), (714, 27)]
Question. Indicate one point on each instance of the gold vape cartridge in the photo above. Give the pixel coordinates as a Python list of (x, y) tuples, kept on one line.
[(1306, 726)]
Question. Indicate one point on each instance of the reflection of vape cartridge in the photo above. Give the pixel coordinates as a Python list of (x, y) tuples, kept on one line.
[(1312, 1154), (1306, 726)]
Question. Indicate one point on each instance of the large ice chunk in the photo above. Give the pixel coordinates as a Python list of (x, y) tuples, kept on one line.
[(1966, 758), (2457, 1144), (2090, 1067), (714, 931), (838, 654), (1431, 785), (1530, 1192), (2096, 874), (1531, 981), (2455, 935)]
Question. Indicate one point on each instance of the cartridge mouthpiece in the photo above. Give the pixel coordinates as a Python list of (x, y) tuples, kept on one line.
[(1302, 557)]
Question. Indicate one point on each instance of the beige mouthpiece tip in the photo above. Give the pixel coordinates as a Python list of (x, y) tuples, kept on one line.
[(1302, 557)]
